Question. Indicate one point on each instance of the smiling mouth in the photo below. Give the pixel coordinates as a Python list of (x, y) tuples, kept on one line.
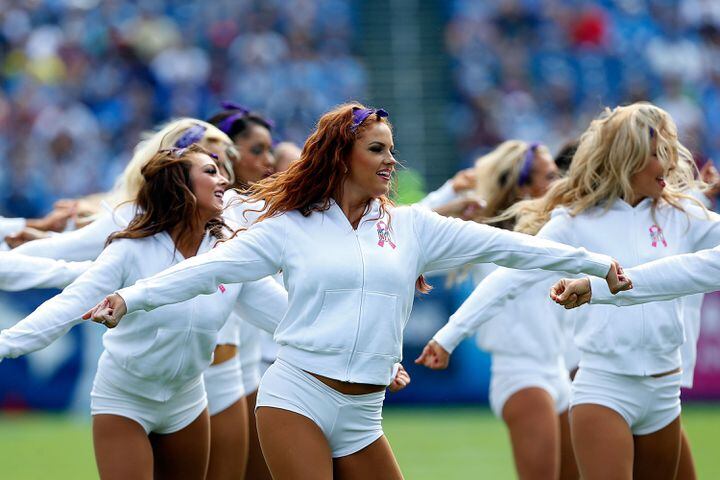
[(385, 174), (218, 194), (661, 181)]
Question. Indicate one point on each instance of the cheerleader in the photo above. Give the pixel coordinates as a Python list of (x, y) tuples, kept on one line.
[(351, 262), (529, 384), (235, 442), (148, 401), (621, 197)]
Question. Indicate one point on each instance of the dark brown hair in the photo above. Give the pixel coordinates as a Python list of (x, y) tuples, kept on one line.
[(166, 200)]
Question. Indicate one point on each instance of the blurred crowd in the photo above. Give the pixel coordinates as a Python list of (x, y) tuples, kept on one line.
[(539, 70), (81, 79)]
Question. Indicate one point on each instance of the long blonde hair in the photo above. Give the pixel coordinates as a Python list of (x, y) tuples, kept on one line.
[(616, 146), (498, 174), (129, 183)]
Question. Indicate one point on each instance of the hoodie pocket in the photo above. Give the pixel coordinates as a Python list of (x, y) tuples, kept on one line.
[(380, 329), (334, 326), (161, 358)]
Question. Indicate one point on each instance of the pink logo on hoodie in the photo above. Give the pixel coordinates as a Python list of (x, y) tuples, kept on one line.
[(384, 235), (656, 236), (221, 287)]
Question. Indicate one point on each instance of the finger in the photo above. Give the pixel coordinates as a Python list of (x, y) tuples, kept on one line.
[(423, 356)]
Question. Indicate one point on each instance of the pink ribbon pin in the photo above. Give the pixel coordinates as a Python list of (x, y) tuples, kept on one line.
[(656, 234), (384, 235)]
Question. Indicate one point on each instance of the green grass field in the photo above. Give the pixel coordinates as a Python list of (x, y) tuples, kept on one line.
[(447, 443)]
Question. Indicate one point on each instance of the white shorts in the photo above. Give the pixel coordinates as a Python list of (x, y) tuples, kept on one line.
[(224, 385), (505, 383), (154, 416), (647, 404), (349, 422)]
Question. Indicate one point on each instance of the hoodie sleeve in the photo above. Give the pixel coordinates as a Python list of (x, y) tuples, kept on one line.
[(439, 197), (665, 279), (22, 272), (11, 225), (55, 317), (251, 255), (450, 242), (262, 303), (500, 287), (78, 245)]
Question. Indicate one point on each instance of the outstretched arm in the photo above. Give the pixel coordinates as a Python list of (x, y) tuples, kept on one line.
[(55, 317), (23, 272), (666, 279), (447, 243), (251, 255)]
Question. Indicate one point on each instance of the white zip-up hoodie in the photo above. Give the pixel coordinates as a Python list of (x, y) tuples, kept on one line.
[(351, 290), (148, 354), (21, 272), (641, 340)]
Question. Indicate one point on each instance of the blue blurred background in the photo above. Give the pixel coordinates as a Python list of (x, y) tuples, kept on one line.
[(81, 79)]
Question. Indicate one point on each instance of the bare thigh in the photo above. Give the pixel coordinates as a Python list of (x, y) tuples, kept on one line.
[(603, 443), (568, 464), (257, 469), (686, 466), (229, 443), (185, 453), (375, 461), (293, 445), (534, 433), (657, 454), (122, 448)]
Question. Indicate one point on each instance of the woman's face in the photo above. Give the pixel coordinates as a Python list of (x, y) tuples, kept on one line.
[(544, 172), (650, 181), (256, 159), (371, 162), (208, 185)]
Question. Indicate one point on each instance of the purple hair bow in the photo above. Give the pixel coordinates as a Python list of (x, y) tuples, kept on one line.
[(192, 135), (361, 114), (526, 170), (240, 111)]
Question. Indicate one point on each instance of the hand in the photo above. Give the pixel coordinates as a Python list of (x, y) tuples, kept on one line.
[(108, 312), (464, 180), (401, 380), (710, 176), (571, 293), (467, 207), (25, 235), (434, 356), (55, 221), (616, 279)]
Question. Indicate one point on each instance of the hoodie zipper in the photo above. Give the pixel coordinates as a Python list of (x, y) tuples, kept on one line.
[(362, 295)]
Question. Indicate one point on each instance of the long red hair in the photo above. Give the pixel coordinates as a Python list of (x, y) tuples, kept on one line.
[(310, 183)]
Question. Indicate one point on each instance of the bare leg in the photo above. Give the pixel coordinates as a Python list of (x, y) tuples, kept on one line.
[(294, 446), (257, 469), (534, 433), (686, 468), (657, 454), (122, 448), (568, 465), (602, 442), (229, 443), (185, 453), (375, 461)]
